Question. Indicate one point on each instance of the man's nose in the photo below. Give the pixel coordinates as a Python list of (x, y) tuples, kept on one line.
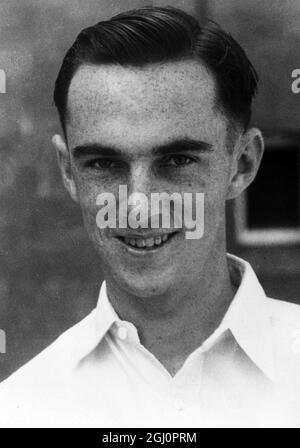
[(140, 180), (139, 192)]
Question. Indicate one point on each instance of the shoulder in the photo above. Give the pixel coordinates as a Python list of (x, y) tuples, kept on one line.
[(37, 394), (53, 363), (284, 313), (285, 324)]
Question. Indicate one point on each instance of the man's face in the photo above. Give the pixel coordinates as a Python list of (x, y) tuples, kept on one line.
[(138, 112)]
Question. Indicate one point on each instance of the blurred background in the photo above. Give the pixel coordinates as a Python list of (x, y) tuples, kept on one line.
[(49, 273)]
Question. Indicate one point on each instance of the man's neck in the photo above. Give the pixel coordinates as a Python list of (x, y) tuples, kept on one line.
[(173, 326)]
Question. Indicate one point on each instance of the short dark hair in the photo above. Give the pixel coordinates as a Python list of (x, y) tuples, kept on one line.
[(154, 34)]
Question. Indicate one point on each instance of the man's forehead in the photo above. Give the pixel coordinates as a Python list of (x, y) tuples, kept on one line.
[(168, 88)]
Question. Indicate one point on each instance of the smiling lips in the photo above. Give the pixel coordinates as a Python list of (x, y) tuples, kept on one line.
[(150, 242)]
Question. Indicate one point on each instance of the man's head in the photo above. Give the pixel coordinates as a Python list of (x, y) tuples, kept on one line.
[(158, 35), (153, 101)]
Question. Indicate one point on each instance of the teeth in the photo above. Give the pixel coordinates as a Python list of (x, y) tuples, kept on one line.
[(158, 240), (141, 243), (148, 242), (130, 241)]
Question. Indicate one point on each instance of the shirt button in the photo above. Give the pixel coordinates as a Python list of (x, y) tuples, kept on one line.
[(122, 333)]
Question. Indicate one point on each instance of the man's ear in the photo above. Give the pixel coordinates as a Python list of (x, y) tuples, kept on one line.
[(64, 163), (246, 160)]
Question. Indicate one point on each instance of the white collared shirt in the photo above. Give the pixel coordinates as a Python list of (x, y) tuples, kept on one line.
[(98, 374)]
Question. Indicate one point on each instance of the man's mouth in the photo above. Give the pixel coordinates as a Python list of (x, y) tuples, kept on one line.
[(143, 243)]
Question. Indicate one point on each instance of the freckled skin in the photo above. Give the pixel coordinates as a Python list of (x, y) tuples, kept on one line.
[(177, 295), (136, 110)]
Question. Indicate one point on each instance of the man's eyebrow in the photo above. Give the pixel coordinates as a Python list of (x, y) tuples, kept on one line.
[(173, 147), (185, 144), (95, 149)]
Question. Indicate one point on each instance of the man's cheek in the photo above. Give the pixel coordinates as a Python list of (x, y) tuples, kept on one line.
[(89, 211), (95, 234), (214, 206), (87, 194)]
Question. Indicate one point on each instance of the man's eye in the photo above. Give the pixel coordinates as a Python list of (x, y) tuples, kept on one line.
[(179, 160), (101, 164)]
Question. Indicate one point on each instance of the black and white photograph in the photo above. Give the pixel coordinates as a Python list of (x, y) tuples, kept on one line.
[(149, 216)]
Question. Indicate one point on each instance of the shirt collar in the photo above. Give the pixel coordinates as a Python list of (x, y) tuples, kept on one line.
[(106, 316), (247, 317)]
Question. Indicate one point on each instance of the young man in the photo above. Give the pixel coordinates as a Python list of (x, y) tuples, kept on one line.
[(183, 334)]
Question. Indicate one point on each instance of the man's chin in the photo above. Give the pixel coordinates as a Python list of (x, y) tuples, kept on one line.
[(145, 286)]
